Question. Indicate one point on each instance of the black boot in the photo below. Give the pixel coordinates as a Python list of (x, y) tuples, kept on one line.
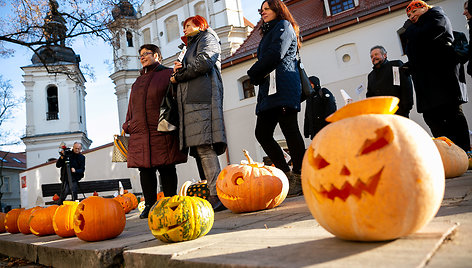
[(145, 213), (294, 184), (216, 203)]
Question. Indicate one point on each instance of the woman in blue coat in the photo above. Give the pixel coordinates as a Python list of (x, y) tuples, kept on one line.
[(278, 99)]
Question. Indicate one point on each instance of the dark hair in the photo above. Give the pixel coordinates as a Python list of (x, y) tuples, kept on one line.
[(382, 49), (155, 49), (283, 13), (199, 21)]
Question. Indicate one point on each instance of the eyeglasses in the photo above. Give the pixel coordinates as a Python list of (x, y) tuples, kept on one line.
[(145, 54)]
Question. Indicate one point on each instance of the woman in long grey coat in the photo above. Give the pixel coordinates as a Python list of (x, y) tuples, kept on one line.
[(200, 100)]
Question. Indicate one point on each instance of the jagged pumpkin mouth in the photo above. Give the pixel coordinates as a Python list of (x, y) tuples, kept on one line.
[(347, 189), (167, 229)]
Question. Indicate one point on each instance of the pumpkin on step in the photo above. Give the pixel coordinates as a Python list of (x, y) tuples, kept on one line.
[(2, 222), (454, 159), (372, 177), (125, 202), (180, 218), (40, 221), (97, 218), (63, 219), (11, 220), (133, 198), (23, 220), (251, 186), (199, 189)]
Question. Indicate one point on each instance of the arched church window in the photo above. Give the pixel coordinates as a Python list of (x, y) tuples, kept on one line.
[(129, 38), (200, 9), (53, 104), (172, 28)]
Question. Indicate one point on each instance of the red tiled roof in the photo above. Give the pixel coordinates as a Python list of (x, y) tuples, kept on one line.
[(311, 17), (13, 160)]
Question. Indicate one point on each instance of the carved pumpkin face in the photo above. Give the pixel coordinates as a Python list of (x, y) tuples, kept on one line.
[(97, 218), (133, 198), (63, 219), (125, 202), (180, 218), (251, 186), (372, 177), (40, 221)]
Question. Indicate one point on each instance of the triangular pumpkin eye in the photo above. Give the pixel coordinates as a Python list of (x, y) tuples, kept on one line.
[(319, 162), (384, 137)]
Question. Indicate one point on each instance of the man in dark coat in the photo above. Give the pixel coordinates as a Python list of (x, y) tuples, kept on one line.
[(468, 15), (77, 169), (318, 106), (387, 79), (435, 72)]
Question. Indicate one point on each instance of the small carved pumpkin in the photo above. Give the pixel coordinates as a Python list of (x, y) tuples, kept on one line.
[(63, 219), (372, 177), (454, 159), (125, 202), (97, 218), (199, 189), (133, 198), (251, 186), (2, 222), (180, 218), (11, 220), (40, 221), (23, 220)]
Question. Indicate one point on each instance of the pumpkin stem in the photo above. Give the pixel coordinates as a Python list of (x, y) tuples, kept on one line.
[(249, 159)]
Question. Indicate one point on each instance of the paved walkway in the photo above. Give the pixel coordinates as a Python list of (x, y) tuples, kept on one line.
[(287, 236)]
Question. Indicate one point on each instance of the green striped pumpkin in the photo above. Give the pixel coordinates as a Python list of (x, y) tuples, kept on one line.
[(180, 218)]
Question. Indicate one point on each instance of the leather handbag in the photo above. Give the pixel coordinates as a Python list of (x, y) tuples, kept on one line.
[(120, 148), (307, 89), (168, 112)]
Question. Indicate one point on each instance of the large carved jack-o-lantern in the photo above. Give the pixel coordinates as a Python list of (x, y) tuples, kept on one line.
[(372, 177), (251, 186)]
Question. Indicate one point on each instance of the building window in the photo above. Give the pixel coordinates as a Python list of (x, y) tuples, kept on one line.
[(147, 36), (17, 160), (248, 89), (6, 185), (53, 104), (172, 28), (200, 9), (129, 38), (338, 6), (3, 160)]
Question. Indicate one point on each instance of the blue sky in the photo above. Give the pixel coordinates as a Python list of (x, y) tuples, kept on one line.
[(101, 106)]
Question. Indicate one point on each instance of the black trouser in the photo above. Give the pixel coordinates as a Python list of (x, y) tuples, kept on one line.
[(168, 181), (65, 190), (449, 121), (288, 121)]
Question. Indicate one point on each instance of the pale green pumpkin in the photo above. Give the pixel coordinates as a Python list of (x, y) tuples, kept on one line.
[(180, 218)]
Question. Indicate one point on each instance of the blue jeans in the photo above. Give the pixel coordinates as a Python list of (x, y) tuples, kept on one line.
[(210, 164)]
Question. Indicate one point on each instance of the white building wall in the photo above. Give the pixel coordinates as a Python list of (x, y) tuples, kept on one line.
[(322, 57)]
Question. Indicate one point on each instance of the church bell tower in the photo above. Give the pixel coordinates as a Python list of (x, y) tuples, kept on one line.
[(55, 95)]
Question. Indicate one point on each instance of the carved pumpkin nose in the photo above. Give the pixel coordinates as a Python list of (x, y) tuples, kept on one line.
[(345, 171)]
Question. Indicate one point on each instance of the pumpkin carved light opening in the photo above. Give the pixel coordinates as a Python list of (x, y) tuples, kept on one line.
[(384, 137), (318, 162)]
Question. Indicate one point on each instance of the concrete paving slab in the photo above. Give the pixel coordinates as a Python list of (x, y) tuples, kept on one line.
[(286, 236)]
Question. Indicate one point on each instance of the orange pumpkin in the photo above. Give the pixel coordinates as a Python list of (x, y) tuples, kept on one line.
[(372, 177), (2, 222), (125, 202), (63, 219), (40, 221), (23, 220), (11, 220), (98, 218), (134, 199), (251, 186), (454, 159)]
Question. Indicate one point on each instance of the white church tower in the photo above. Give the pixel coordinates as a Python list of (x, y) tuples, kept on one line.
[(160, 23), (55, 96)]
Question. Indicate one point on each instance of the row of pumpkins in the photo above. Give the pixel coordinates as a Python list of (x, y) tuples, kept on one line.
[(368, 176), (94, 218)]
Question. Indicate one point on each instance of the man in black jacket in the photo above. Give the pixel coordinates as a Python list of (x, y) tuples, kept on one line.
[(388, 79), (77, 168)]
